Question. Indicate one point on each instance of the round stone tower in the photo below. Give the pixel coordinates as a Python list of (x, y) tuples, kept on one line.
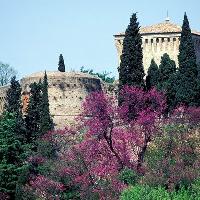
[(66, 92)]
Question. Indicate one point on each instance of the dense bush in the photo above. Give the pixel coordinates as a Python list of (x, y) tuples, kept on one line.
[(141, 192), (176, 150)]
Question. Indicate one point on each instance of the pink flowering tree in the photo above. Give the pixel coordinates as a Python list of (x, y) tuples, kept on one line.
[(142, 111), (109, 139)]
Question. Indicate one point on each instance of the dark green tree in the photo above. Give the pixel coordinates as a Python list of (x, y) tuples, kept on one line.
[(61, 64), (13, 96), (152, 75), (168, 80), (11, 151), (131, 71), (33, 117), (166, 69), (187, 89), (46, 123), (13, 105)]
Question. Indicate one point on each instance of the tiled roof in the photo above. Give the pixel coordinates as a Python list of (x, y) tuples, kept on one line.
[(164, 27)]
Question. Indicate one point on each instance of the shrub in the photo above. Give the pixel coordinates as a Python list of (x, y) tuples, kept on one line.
[(145, 192), (176, 150), (128, 176), (141, 192)]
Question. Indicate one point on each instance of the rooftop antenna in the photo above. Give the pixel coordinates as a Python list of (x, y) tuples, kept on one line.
[(167, 18)]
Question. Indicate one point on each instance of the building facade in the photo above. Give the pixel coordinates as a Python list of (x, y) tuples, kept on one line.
[(159, 39)]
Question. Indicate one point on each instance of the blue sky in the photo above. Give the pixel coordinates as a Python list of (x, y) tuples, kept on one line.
[(34, 32)]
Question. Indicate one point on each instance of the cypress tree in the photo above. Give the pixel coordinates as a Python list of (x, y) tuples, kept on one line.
[(61, 64), (167, 80), (13, 96), (131, 71), (46, 120), (33, 117), (167, 67), (13, 105), (153, 75), (187, 88)]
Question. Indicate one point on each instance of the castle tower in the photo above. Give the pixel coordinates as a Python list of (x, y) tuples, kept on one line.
[(159, 39), (66, 91)]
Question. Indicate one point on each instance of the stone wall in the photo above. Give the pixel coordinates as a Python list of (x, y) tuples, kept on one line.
[(67, 90), (66, 93)]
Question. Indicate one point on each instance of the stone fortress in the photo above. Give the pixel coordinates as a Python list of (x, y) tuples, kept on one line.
[(66, 92), (68, 89), (159, 39)]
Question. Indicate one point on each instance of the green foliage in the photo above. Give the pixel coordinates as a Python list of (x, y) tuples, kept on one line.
[(13, 96), (153, 75), (141, 192), (46, 123), (167, 68), (13, 105), (176, 150), (186, 91), (105, 76), (128, 176), (11, 149), (61, 64), (38, 119), (131, 71), (33, 117)]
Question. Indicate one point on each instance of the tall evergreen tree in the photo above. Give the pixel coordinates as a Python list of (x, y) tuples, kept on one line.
[(61, 64), (167, 67), (13, 105), (152, 75), (33, 117), (187, 89), (131, 71), (13, 96), (46, 123)]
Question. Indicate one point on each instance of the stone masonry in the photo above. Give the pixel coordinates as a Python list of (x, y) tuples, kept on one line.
[(159, 39), (66, 93)]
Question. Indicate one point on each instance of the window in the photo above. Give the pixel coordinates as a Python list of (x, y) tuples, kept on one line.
[(157, 40), (174, 39), (168, 39), (151, 40), (146, 41), (163, 39)]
